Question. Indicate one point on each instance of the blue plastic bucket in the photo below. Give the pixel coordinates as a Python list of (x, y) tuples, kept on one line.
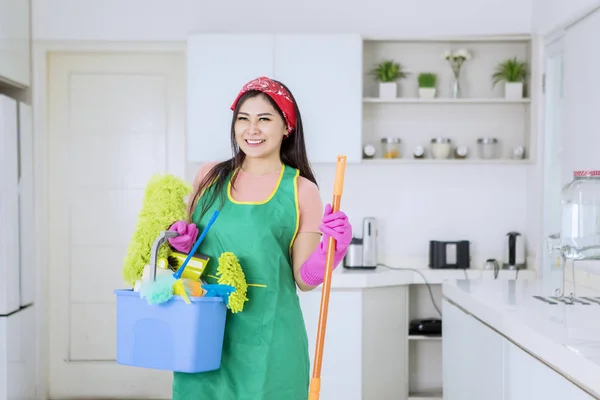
[(172, 336)]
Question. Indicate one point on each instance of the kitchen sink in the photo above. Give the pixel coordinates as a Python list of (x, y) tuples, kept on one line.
[(584, 300)]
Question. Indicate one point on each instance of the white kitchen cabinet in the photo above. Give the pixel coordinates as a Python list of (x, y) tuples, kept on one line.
[(479, 363), (471, 357), (365, 349), (9, 208), (324, 73), (15, 42), (26, 203), (527, 378), (18, 355), (218, 65)]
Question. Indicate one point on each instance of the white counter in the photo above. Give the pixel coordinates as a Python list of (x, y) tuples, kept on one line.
[(565, 338), (395, 276), (367, 350)]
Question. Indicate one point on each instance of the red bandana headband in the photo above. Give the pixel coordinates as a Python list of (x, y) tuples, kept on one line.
[(275, 91)]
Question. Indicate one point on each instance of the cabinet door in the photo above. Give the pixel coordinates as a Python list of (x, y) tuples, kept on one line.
[(472, 357), (26, 208), (529, 379), (324, 73), (218, 65), (9, 208), (14, 42), (20, 355)]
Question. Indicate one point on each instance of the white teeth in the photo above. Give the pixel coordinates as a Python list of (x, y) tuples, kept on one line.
[(254, 141)]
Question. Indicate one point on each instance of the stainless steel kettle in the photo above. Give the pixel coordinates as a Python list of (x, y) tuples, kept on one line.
[(362, 252), (369, 243)]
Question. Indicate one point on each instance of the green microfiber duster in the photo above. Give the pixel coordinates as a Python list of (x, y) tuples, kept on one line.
[(163, 204), (229, 272)]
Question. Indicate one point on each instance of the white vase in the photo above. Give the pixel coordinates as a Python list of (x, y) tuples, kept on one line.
[(388, 90), (513, 90), (427, 93)]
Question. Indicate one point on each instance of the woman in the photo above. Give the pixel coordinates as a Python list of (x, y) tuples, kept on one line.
[(271, 217)]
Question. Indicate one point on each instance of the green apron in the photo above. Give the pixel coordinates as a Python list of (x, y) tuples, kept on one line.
[(265, 350)]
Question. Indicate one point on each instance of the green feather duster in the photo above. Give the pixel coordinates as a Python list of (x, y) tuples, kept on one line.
[(163, 204)]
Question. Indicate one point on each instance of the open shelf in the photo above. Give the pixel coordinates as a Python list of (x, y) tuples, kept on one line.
[(449, 39), (425, 396), (448, 100), (482, 110), (424, 351), (451, 161), (423, 337)]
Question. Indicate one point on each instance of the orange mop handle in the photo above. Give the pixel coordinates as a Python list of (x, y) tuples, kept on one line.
[(315, 382)]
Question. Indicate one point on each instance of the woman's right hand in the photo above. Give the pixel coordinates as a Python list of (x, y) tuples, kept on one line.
[(188, 233)]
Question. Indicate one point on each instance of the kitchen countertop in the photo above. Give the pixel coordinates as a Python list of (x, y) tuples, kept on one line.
[(565, 337), (383, 276)]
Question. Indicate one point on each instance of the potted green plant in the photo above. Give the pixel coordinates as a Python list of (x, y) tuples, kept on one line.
[(513, 72), (388, 73), (427, 85)]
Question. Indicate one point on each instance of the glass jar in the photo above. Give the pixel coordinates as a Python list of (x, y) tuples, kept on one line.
[(487, 148), (580, 217), (390, 147), (441, 148)]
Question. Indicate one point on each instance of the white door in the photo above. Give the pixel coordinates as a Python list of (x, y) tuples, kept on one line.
[(552, 157), (114, 119)]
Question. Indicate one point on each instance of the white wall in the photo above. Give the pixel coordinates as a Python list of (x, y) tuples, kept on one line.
[(548, 15), (171, 20), (417, 203), (413, 204)]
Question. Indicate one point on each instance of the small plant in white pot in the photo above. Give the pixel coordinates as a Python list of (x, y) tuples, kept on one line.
[(388, 73), (427, 85), (513, 72)]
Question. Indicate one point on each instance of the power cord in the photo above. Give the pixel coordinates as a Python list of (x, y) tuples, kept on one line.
[(496, 272), (424, 280)]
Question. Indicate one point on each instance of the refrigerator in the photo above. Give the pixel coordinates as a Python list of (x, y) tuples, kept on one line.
[(17, 253)]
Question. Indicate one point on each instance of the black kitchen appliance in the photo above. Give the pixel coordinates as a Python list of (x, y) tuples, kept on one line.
[(426, 327), (449, 255)]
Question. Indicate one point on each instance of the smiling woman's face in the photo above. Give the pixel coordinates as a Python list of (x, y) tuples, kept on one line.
[(259, 128)]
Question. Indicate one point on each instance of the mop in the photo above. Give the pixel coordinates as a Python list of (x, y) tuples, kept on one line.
[(315, 382)]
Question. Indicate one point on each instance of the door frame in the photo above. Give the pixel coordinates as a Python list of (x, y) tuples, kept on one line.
[(39, 97), (553, 45)]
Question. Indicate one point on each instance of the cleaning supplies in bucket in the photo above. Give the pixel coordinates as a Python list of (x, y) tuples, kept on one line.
[(173, 334), (159, 288), (171, 319)]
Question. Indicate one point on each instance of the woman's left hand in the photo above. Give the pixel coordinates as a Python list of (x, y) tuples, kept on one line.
[(337, 226)]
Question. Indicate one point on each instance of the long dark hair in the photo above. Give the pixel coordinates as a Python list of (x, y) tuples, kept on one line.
[(292, 153)]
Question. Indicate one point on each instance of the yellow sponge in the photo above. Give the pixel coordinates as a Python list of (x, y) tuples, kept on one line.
[(195, 266)]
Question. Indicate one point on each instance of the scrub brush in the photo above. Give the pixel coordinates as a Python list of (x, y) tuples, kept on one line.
[(159, 289)]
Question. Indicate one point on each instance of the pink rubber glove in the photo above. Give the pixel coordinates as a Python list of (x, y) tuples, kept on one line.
[(337, 226), (188, 233)]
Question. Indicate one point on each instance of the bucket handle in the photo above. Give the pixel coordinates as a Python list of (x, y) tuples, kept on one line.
[(164, 235)]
